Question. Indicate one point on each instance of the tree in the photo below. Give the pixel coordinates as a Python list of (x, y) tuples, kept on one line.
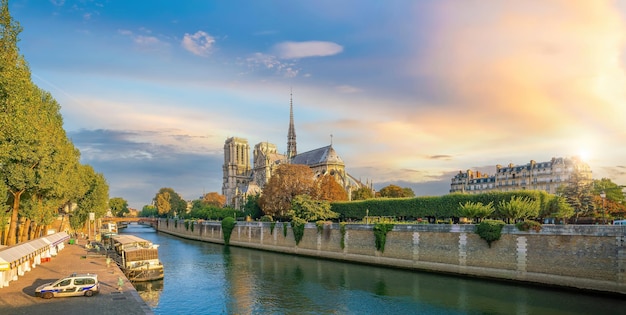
[(169, 203), (476, 210), (362, 193), (149, 211), (518, 208), (578, 193), (214, 199), (118, 206), (288, 181), (393, 191), (304, 207), (251, 207), (330, 190), (558, 208)]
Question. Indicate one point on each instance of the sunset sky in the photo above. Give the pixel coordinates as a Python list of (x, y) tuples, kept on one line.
[(411, 91)]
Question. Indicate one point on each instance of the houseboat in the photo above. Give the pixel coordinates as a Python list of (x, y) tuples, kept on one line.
[(138, 258)]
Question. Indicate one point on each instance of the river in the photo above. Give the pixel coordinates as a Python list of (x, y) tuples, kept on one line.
[(204, 278)]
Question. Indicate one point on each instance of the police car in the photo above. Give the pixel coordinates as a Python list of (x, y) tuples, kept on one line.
[(74, 285)]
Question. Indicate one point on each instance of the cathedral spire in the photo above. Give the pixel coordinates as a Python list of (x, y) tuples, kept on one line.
[(291, 136)]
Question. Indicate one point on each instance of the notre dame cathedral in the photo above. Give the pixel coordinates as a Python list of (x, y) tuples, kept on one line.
[(242, 179)]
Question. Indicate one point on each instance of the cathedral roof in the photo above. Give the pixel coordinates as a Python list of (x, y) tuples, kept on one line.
[(323, 155)]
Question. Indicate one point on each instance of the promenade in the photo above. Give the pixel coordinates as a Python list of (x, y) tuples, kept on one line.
[(19, 296)]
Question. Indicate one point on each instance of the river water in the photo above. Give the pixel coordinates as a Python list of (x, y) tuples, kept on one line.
[(204, 278)]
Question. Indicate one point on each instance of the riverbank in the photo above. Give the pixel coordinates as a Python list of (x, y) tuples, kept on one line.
[(589, 258), (19, 296)]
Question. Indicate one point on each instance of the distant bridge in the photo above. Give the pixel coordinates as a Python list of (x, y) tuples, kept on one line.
[(140, 220)]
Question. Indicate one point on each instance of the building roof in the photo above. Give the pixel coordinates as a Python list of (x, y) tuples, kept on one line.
[(323, 155)]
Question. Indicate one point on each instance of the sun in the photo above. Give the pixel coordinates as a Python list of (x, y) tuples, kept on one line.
[(584, 154)]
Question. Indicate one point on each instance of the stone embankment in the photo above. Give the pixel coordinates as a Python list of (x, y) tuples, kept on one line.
[(19, 296), (590, 257)]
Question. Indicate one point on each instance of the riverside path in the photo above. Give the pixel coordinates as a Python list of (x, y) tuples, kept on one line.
[(19, 296)]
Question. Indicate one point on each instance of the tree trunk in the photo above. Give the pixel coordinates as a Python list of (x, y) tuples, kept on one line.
[(22, 229), (11, 238)]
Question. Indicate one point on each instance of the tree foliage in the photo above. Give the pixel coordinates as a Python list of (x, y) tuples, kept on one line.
[(475, 210), (288, 181), (362, 193), (393, 191), (578, 192), (118, 206), (214, 199), (304, 207), (329, 189), (518, 207), (169, 203)]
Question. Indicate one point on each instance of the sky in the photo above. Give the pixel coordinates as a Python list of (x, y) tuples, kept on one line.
[(412, 92)]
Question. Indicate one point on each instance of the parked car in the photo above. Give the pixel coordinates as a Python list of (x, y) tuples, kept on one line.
[(74, 285)]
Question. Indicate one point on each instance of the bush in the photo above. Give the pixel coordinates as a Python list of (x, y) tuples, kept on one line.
[(186, 225), (320, 226), (490, 230), (228, 224), (528, 225), (285, 229), (380, 232), (267, 218)]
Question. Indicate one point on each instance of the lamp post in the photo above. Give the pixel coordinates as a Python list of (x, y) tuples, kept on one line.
[(603, 196)]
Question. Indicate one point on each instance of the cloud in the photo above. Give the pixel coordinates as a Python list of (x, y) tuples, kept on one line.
[(144, 42), (348, 89), (297, 50), (199, 44), (136, 169), (260, 61)]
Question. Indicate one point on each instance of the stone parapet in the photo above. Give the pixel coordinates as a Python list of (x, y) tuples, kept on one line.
[(588, 257)]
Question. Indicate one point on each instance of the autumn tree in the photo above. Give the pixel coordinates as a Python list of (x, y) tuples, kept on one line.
[(288, 181), (329, 189), (214, 199), (118, 206), (362, 193)]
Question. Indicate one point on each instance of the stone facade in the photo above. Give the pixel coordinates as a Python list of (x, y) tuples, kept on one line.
[(589, 257), (546, 176)]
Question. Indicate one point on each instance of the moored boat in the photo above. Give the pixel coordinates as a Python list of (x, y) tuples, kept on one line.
[(138, 258)]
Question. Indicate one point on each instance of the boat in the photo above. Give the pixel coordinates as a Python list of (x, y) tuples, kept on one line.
[(138, 258)]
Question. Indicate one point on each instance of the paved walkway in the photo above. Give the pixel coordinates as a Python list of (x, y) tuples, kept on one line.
[(19, 296)]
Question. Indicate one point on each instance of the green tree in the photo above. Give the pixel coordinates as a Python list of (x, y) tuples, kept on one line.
[(251, 207), (393, 191), (518, 208), (149, 211), (578, 191), (476, 210), (304, 207), (118, 206), (170, 203), (362, 193)]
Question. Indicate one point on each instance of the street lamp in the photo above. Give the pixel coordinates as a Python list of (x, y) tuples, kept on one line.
[(603, 196)]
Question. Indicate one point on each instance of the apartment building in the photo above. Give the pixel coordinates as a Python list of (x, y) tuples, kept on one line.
[(546, 176)]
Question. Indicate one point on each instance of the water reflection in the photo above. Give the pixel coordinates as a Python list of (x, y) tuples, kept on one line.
[(150, 291), (203, 278)]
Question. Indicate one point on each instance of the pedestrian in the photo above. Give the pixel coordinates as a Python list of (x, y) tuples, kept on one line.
[(120, 283)]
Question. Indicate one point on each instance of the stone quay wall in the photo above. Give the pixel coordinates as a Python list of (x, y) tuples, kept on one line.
[(586, 257)]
